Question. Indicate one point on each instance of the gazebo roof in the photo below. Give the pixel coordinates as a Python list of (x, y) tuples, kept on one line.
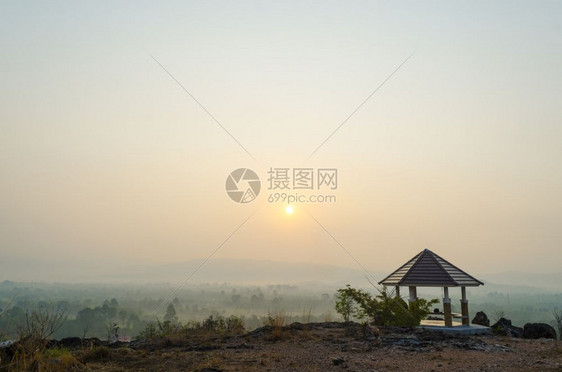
[(427, 269)]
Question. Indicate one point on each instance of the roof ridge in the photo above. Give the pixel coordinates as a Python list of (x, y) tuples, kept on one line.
[(459, 269), (417, 260), (433, 257), (401, 267), (419, 256)]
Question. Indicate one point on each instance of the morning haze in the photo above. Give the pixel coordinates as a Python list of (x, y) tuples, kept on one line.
[(280, 185), (106, 163)]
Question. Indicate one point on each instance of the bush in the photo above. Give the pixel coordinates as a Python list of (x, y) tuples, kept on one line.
[(383, 309), (34, 332), (61, 358), (213, 325), (158, 329), (275, 320), (96, 354)]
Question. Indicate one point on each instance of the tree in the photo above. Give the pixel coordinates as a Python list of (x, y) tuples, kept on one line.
[(382, 309), (355, 302), (171, 314), (42, 323), (34, 332), (86, 318), (37, 328), (112, 330), (346, 306)]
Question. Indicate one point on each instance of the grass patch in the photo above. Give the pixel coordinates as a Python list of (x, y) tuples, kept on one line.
[(277, 322), (96, 354), (213, 326)]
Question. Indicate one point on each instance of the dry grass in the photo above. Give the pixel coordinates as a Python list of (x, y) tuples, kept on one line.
[(277, 322), (48, 360), (311, 347), (96, 354)]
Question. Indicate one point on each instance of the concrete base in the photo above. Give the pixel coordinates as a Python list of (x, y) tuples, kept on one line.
[(473, 329)]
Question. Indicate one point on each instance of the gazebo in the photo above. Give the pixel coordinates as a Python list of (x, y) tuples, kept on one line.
[(427, 269)]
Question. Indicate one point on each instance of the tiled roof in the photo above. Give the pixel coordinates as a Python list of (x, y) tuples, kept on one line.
[(427, 269)]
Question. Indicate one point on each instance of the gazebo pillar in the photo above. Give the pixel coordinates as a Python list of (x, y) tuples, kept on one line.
[(413, 294), (447, 308), (464, 308), (397, 291)]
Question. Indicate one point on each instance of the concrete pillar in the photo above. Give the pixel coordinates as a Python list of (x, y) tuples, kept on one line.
[(464, 308), (447, 308), (413, 294), (397, 291)]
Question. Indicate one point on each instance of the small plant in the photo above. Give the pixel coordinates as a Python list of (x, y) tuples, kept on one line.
[(235, 325), (215, 324), (158, 329), (212, 326), (306, 315), (276, 321), (61, 357)]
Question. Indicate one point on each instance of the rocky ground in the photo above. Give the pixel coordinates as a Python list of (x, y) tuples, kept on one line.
[(325, 347)]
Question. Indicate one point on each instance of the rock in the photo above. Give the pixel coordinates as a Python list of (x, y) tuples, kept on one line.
[(338, 361), (538, 330), (505, 328), (481, 319), (76, 342), (371, 332), (71, 342)]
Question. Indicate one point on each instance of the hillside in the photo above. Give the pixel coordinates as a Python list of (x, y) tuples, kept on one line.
[(328, 346)]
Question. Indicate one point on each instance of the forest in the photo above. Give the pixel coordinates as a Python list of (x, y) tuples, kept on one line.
[(125, 310)]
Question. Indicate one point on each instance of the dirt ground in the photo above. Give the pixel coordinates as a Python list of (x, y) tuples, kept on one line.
[(333, 347)]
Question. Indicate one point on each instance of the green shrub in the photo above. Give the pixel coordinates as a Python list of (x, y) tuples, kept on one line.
[(213, 325), (383, 309)]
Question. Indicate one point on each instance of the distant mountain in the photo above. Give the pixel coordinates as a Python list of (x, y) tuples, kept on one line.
[(220, 270), (237, 271), (547, 281)]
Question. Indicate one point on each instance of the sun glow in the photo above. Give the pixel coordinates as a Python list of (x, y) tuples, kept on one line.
[(289, 209)]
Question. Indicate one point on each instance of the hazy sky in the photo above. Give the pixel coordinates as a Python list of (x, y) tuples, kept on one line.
[(103, 157)]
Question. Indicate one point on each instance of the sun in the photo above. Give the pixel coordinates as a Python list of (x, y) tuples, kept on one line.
[(289, 209)]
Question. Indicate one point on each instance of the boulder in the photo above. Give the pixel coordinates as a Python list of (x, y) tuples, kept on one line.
[(505, 328), (371, 332), (481, 319), (538, 330)]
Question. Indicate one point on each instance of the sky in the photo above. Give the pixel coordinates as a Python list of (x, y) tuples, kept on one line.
[(106, 159)]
